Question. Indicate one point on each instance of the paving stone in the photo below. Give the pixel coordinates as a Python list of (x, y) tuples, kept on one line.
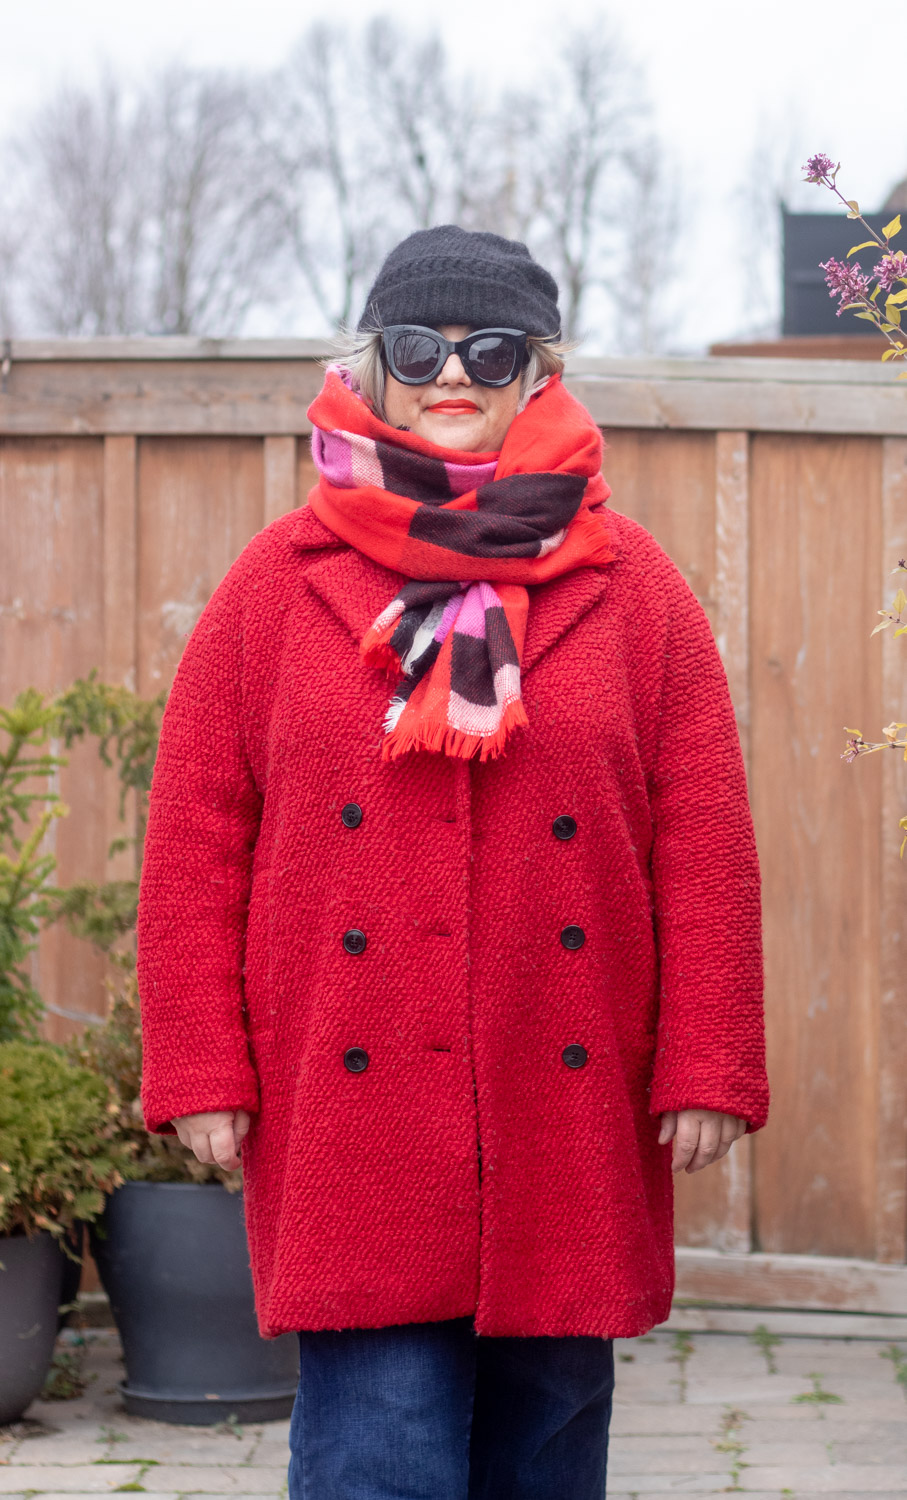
[(80, 1478), (56, 1448), (223, 1480), (665, 1455), (862, 1479), (787, 1454), (745, 1391), (880, 1450), (633, 1418), (668, 1484), (648, 1494), (189, 1446)]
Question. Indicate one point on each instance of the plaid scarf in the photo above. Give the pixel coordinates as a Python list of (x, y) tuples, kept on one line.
[(473, 531)]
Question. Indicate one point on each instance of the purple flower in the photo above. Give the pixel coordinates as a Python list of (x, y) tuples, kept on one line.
[(819, 168), (890, 268), (844, 281)]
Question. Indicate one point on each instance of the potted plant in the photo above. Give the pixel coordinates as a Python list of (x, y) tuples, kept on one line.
[(172, 1254), (60, 1154), (172, 1248)]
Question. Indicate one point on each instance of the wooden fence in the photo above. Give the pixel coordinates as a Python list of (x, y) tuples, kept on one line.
[(133, 472)]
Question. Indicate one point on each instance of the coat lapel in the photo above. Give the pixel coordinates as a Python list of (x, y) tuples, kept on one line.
[(357, 589)]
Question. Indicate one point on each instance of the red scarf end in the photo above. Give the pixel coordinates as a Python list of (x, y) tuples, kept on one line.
[(442, 739), (382, 656)]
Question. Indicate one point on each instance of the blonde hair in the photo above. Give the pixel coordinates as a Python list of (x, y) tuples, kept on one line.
[(361, 352)]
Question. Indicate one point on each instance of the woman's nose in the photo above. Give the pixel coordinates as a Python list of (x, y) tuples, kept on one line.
[(452, 372)]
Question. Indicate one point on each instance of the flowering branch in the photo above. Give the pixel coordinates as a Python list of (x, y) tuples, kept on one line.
[(850, 283), (894, 738)]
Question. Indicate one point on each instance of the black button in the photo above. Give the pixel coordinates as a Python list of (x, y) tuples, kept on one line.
[(575, 1056), (351, 815), (354, 941), (356, 1059), (573, 937), (564, 827)]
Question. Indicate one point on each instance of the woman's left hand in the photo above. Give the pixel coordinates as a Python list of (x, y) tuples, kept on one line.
[(700, 1136)]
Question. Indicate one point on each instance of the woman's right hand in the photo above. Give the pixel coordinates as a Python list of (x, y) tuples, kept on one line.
[(215, 1136)]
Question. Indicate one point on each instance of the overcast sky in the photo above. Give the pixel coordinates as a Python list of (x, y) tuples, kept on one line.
[(797, 74)]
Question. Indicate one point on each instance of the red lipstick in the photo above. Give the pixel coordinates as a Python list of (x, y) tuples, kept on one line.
[(454, 406)]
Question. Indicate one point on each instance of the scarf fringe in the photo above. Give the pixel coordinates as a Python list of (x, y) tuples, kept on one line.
[(442, 739)]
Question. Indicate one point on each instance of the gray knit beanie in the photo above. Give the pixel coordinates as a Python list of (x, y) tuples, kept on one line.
[(452, 275)]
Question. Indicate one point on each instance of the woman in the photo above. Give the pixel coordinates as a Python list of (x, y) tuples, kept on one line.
[(456, 968)]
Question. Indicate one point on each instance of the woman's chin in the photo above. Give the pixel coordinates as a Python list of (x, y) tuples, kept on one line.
[(464, 430)]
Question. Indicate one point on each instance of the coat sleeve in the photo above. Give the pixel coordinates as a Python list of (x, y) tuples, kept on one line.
[(203, 820), (710, 1042)]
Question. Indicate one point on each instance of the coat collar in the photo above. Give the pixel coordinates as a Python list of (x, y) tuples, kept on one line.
[(357, 589)]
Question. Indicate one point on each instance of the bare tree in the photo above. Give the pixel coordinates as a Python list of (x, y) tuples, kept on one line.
[(570, 159), (772, 179), (189, 204), (650, 215), (145, 212), (79, 194), (437, 135), (211, 218), (320, 148)]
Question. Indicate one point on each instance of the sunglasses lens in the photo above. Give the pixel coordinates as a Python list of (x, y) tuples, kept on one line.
[(494, 357), (416, 356)]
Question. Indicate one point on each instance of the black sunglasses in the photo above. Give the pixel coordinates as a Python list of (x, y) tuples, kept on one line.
[(491, 356)]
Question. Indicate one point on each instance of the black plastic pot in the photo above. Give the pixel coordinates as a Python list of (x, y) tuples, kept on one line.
[(174, 1263), (31, 1272)]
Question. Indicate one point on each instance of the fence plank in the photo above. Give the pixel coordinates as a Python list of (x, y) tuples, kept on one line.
[(120, 543), (199, 503), (51, 591), (803, 1281), (815, 507), (891, 1161), (267, 391), (279, 477)]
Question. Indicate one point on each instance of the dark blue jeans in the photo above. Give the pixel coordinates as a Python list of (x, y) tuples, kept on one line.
[(430, 1411)]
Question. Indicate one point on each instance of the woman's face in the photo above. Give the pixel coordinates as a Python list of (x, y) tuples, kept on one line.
[(452, 410)]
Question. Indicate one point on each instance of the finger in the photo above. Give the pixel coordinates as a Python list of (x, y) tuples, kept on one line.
[(200, 1144), (182, 1132), (241, 1122), (709, 1141), (223, 1147), (685, 1142), (668, 1126)]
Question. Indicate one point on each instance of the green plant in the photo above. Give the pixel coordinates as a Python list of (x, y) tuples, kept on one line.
[(898, 1357), (66, 1378), (767, 1342), (730, 1443), (683, 1348), (818, 1396), (27, 810), (126, 728), (60, 1151)]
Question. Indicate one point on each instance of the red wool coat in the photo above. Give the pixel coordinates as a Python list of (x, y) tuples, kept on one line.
[(461, 1116)]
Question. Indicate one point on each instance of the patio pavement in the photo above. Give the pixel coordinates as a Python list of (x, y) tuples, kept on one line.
[(696, 1414)]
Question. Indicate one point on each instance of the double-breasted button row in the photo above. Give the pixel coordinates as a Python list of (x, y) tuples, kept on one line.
[(355, 1059)]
